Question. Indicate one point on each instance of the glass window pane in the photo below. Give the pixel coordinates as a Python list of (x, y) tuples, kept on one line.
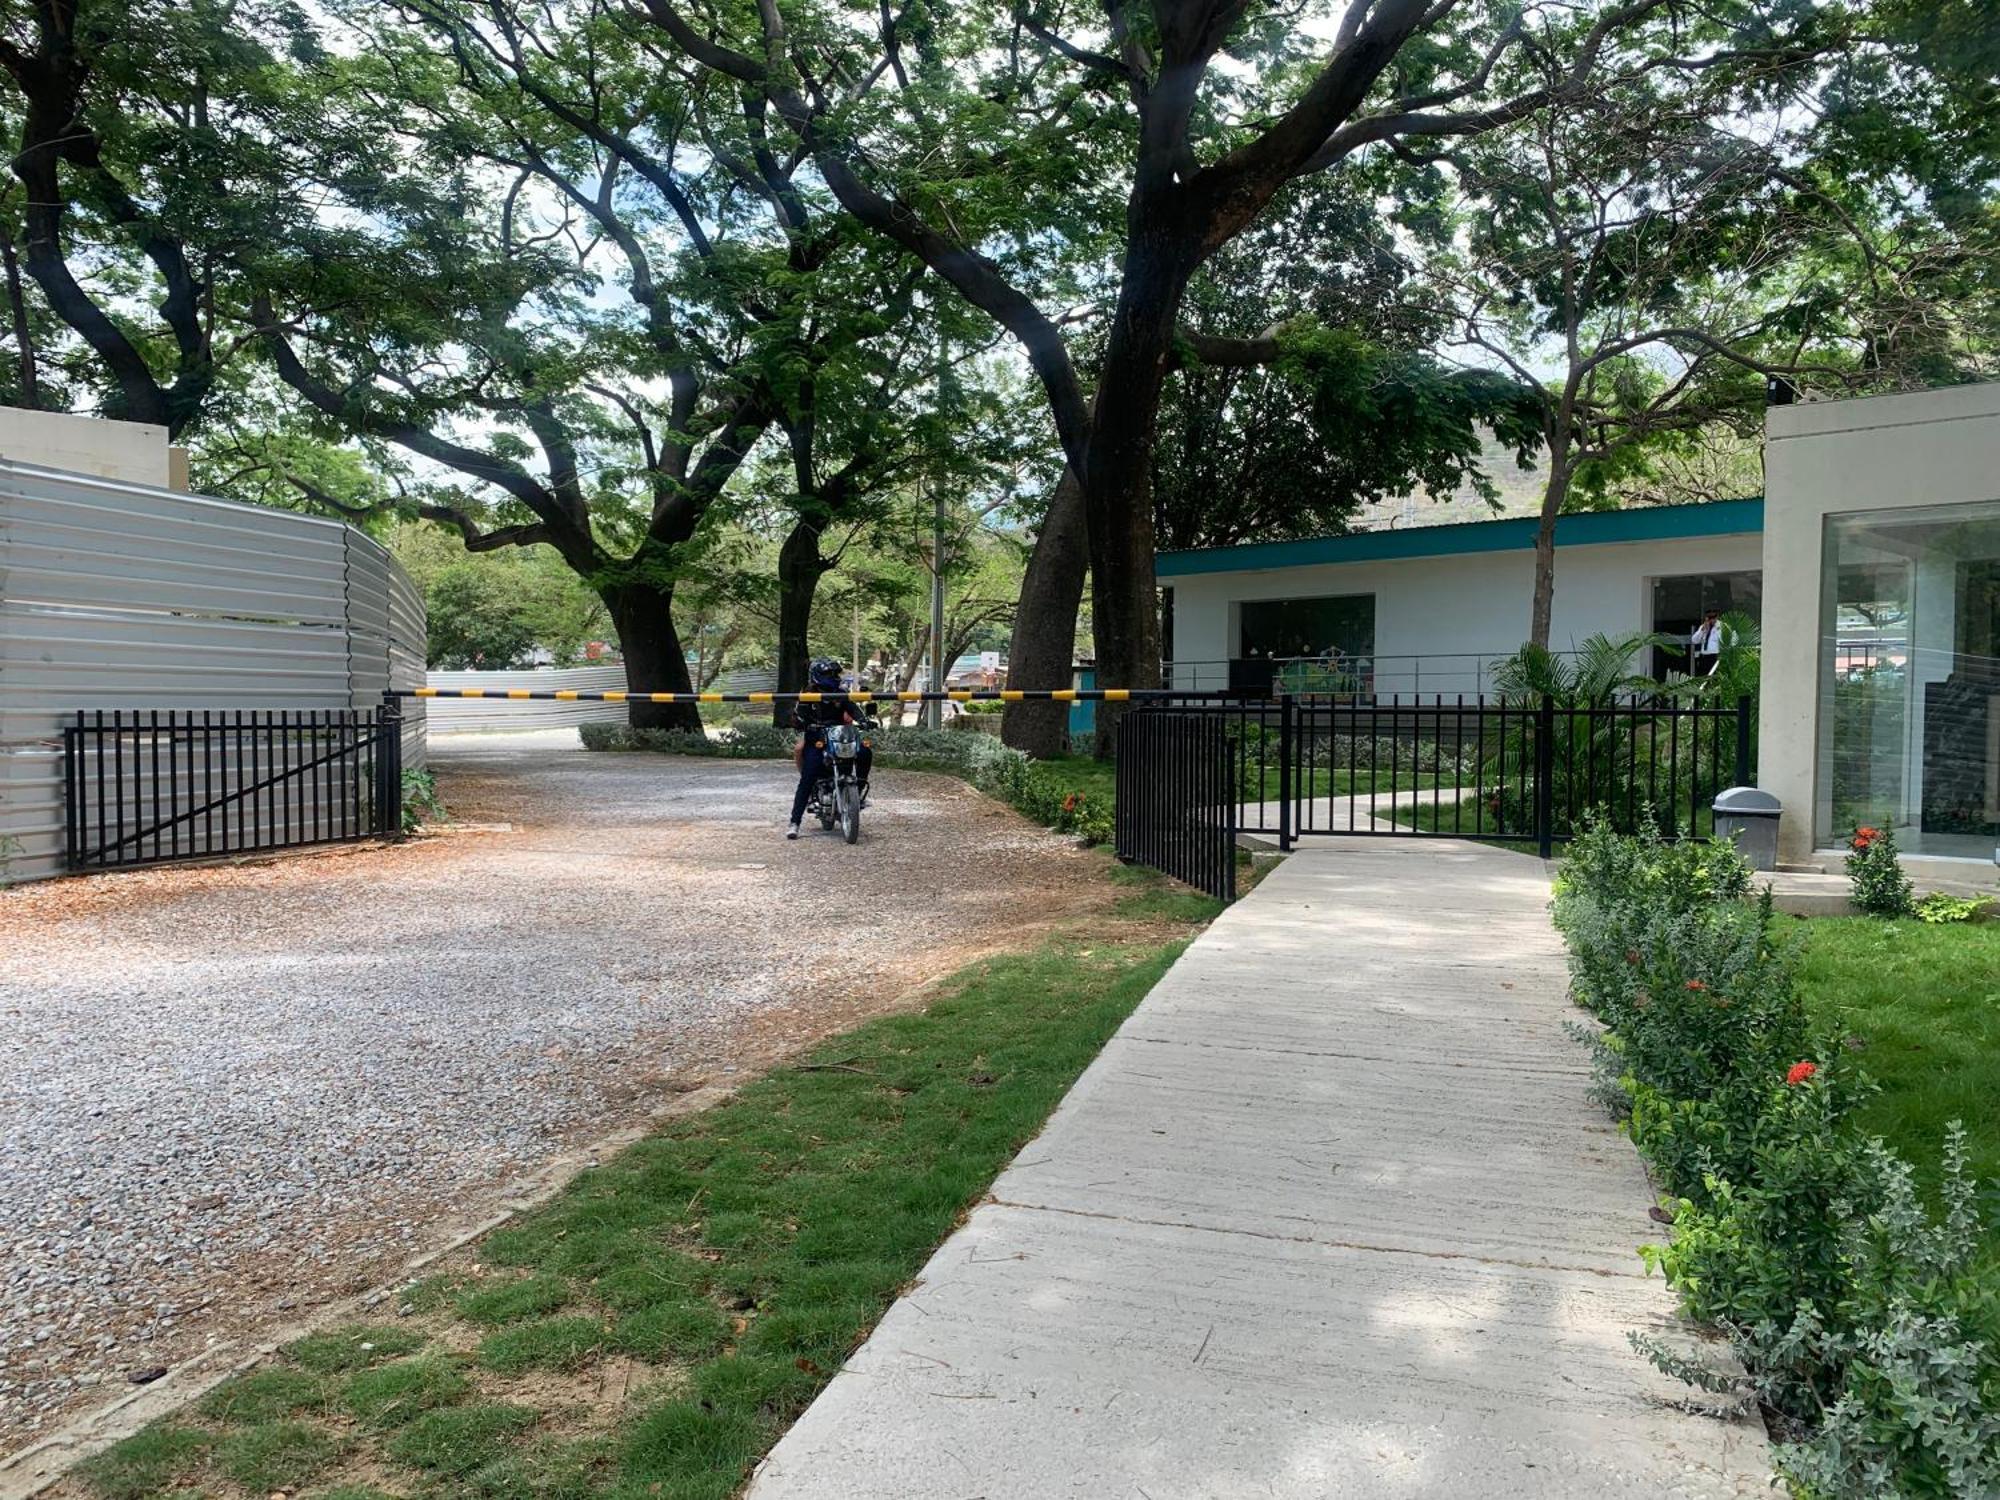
[(1309, 628), (1910, 662), (1680, 601)]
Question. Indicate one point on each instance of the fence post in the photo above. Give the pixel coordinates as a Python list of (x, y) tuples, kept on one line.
[(1224, 766), (72, 737), (389, 768), (1742, 741), (1545, 761), (1287, 737)]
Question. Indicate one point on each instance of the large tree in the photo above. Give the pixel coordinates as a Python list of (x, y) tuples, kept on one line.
[(948, 133), (922, 409), (1638, 268), (1353, 404), (149, 149), (583, 293), (1653, 259)]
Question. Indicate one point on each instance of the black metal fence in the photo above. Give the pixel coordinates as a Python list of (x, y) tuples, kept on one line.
[(1521, 771), (146, 787), (1178, 794)]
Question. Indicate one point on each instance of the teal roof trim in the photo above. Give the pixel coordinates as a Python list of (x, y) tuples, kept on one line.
[(1590, 528)]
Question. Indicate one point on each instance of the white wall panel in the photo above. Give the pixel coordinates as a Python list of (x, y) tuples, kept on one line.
[(447, 715), (116, 595), (1440, 621)]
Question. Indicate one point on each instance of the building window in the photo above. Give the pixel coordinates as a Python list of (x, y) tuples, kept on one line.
[(1680, 602), (1289, 629), (1910, 678)]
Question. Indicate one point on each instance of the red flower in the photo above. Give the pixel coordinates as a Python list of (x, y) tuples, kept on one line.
[(1696, 984), (1800, 1072), (1863, 837), (1073, 801)]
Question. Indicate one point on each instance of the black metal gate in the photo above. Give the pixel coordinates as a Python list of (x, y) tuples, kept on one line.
[(1514, 771), (1177, 795), (146, 787)]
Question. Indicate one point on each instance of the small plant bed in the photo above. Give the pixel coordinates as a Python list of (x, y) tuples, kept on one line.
[(1864, 1310), (1921, 1002), (654, 1329)]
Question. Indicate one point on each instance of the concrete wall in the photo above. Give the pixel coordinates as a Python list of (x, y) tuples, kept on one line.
[(1457, 612), (1828, 458), (123, 596), (136, 452)]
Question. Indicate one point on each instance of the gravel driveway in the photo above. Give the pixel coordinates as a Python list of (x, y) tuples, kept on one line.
[(227, 1094)]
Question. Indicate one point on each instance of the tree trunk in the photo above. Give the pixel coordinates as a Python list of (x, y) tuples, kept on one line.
[(906, 668), (1545, 545), (800, 568), (23, 333), (1044, 646), (1118, 468), (642, 614)]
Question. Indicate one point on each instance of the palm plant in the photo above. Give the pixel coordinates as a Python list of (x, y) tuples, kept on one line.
[(1592, 676), (1615, 747), (1737, 669)]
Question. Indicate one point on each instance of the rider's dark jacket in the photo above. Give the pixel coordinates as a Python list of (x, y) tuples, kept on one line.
[(829, 710)]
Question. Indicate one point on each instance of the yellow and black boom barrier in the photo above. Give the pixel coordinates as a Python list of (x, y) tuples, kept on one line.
[(860, 695)]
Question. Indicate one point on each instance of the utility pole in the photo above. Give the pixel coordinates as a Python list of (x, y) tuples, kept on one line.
[(857, 646), (939, 666)]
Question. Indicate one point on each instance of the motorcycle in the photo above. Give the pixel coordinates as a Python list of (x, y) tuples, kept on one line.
[(838, 796)]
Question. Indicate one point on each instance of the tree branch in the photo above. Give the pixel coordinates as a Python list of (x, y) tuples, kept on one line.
[(475, 540)]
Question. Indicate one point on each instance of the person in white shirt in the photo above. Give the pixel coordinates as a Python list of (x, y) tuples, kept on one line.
[(1705, 645)]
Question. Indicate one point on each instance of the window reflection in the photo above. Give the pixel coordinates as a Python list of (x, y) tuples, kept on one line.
[(1910, 702)]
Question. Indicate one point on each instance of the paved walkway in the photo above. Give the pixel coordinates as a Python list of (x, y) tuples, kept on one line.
[(1330, 1217), (1376, 813)]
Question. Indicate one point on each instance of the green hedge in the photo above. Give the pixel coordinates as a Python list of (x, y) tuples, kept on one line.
[(1037, 790), (1869, 1328)]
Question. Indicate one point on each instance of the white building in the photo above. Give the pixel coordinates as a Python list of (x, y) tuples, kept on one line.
[(1872, 563), (1881, 688), (1428, 609)]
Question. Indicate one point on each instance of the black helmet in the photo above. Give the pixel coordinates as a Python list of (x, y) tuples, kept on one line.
[(824, 673)]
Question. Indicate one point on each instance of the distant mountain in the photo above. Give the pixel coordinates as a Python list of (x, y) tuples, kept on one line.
[(1520, 495)]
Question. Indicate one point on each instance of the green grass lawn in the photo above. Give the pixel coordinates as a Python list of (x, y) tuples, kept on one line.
[(1925, 1003), (653, 1330), (1096, 779)]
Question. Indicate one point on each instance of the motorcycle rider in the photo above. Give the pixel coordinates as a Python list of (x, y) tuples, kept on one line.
[(834, 707)]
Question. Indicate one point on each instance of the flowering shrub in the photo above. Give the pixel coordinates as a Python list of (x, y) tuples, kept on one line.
[(1877, 1352), (1869, 1332), (1880, 886)]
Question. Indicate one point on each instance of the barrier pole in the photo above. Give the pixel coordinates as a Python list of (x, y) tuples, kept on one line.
[(998, 695)]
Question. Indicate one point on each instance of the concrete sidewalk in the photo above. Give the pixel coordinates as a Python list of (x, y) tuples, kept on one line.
[(1330, 1216)]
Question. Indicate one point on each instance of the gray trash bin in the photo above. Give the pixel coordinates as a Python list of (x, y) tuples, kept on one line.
[(1749, 815)]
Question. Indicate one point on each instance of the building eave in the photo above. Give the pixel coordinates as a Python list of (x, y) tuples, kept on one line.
[(1583, 529)]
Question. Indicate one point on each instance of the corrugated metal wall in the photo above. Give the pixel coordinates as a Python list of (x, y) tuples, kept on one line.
[(121, 596), (448, 714)]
